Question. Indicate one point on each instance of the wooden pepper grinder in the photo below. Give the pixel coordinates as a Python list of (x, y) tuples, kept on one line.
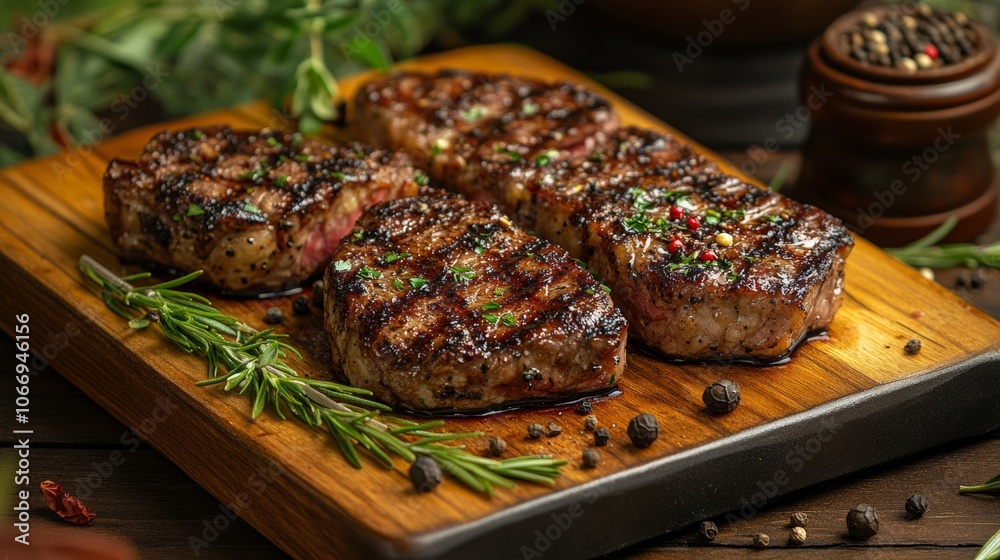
[(899, 137)]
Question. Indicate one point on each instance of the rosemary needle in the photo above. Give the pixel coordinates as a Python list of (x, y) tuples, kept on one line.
[(254, 362), (926, 251)]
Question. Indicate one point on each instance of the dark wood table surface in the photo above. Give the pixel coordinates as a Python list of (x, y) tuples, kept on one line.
[(149, 502)]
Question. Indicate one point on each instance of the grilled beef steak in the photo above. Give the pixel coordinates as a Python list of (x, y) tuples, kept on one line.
[(441, 302), (703, 265), (454, 122), (258, 211)]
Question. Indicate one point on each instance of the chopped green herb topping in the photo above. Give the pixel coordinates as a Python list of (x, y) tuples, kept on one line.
[(281, 181), (342, 266), (491, 318), (194, 210), (301, 158), (273, 142), (177, 217), (397, 284), (250, 207), (421, 178), (490, 306), (417, 283), (529, 108), (509, 319), (474, 113), (501, 291), (606, 289), (462, 273), (393, 257), (197, 134), (296, 139), (369, 273), (511, 154)]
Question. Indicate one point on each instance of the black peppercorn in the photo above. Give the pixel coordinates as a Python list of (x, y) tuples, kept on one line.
[(862, 521), (799, 519), (590, 458), (977, 280), (273, 316), (590, 424), (584, 407), (318, 293), (913, 346), (497, 446), (553, 429), (425, 474), (300, 305), (601, 437), (916, 506), (722, 396), (535, 431), (708, 531), (643, 430)]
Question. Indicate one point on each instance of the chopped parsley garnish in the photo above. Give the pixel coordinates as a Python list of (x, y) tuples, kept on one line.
[(638, 223), (438, 144), (421, 178), (417, 283), (546, 158), (474, 113), (491, 318), (712, 217), (509, 319), (194, 210), (338, 176), (273, 142), (197, 134), (296, 139), (582, 264), (369, 273), (177, 217), (359, 234), (397, 284), (484, 241), (393, 257), (250, 207), (511, 154), (342, 266), (490, 306), (253, 174), (732, 276), (501, 291), (529, 108), (774, 218), (736, 214), (606, 289), (301, 158), (590, 291), (640, 200), (281, 181), (462, 273)]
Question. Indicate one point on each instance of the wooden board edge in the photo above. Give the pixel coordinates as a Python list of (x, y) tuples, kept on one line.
[(751, 468)]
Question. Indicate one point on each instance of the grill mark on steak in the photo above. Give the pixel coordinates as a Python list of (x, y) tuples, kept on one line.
[(258, 211), (781, 277), (563, 329)]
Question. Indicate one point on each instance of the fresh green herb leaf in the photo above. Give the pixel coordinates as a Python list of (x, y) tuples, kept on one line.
[(509, 319), (341, 266), (421, 178), (417, 283), (501, 291), (273, 142), (529, 108), (474, 113), (491, 318), (176, 217), (462, 273), (301, 158), (606, 289), (281, 181), (369, 273), (393, 257), (194, 210), (252, 208), (490, 306), (397, 284)]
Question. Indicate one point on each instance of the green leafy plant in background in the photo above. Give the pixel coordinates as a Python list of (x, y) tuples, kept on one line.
[(70, 66)]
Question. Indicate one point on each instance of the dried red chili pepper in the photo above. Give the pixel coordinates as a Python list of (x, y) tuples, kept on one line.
[(69, 508)]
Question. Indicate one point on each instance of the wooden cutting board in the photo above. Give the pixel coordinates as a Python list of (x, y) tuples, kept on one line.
[(842, 404)]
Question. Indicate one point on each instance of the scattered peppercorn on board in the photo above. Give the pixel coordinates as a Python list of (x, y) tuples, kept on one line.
[(842, 404)]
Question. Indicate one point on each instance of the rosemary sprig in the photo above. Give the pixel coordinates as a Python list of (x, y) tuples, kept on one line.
[(241, 357), (927, 253), (991, 486), (990, 550)]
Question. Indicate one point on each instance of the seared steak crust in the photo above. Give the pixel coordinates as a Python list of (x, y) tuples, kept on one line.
[(259, 211), (624, 204), (441, 302), (454, 122)]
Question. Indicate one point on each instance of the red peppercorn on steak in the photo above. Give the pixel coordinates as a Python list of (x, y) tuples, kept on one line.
[(259, 211), (703, 265), (442, 302)]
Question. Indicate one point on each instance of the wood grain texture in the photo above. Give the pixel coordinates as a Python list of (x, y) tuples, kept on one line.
[(53, 213)]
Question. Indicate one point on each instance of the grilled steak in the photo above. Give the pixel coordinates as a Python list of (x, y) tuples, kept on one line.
[(258, 211), (455, 122), (703, 265), (441, 302)]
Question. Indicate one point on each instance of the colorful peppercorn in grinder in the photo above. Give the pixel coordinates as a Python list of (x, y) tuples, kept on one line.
[(902, 99)]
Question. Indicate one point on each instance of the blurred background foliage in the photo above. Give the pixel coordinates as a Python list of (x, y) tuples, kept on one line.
[(67, 64)]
